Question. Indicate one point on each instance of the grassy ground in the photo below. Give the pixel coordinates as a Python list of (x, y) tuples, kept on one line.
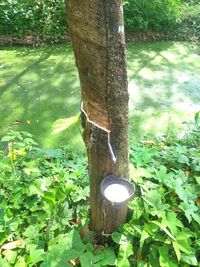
[(164, 85), (39, 89)]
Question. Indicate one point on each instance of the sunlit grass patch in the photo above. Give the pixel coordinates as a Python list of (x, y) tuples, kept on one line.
[(39, 86)]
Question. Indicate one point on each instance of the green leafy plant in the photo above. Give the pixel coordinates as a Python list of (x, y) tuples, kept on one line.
[(45, 21), (40, 20), (41, 197), (44, 205), (154, 15), (165, 221)]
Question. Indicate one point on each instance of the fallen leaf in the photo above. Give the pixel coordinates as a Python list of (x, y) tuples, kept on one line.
[(12, 245), (17, 122), (198, 201), (62, 124), (74, 262), (84, 231), (187, 173), (149, 143), (98, 247), (139, 255)]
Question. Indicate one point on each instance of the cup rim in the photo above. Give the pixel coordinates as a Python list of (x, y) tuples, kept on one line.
[(112, 179)]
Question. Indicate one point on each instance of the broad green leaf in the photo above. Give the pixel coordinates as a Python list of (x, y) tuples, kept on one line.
[(89, 247), (87, 260), (3, 262), (177, 250), (124, 252), (151, 228), (82, 195), (153, 199), (137, 207), (125, 249), (7, 138), (197, 179), (190, 259), (119, 238), (161, 174), (140, 263), (168, 233), (170, 224), (154, 257), (10, 255), (183, 159), (48, 195), (32, 232), (105, 257), (13, 223), (136, 174), (4, 235), (63, 213), (164, 258), (59, 193), (190, 211), (68, 248), (20, 262), (184, 234), (184, 246), (4, 165), (36, 255), (29, 141), (35, 190), (163, 226), (138, 228), (143, 237), (173, 222), (183, 242)]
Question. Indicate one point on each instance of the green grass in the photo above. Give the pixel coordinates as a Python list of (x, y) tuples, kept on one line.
[(164, 85), (39, 86), (39, 89)]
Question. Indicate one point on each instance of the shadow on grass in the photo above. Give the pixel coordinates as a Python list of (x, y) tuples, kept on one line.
[(40, 88), (164, 85), (16, 78)]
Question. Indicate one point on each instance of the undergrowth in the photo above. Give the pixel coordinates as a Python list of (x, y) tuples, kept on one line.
[(44, 21), (44, 205)]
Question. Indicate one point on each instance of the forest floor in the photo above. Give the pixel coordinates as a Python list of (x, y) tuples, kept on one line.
[(39, 89)]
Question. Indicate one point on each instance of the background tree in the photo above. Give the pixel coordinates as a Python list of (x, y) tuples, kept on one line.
[(97, 33)]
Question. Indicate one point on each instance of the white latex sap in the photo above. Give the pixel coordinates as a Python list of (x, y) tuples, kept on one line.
[(116, 193)]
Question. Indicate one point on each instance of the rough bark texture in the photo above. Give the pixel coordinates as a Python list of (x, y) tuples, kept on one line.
[(96, 28)]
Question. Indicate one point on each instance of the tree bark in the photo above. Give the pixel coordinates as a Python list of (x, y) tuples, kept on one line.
[(96, 28)]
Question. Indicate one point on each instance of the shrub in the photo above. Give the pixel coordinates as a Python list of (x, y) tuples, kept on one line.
[(40, 19), (163, 229), (44, 205), (157, 15), (45, 20)]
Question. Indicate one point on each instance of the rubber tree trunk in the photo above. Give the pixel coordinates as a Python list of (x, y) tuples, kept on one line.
[(97, 33)]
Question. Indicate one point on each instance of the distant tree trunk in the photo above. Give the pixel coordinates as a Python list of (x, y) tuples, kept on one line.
[(97, 33)]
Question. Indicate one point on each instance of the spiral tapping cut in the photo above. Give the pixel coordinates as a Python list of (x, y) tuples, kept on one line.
[(113, 157)]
